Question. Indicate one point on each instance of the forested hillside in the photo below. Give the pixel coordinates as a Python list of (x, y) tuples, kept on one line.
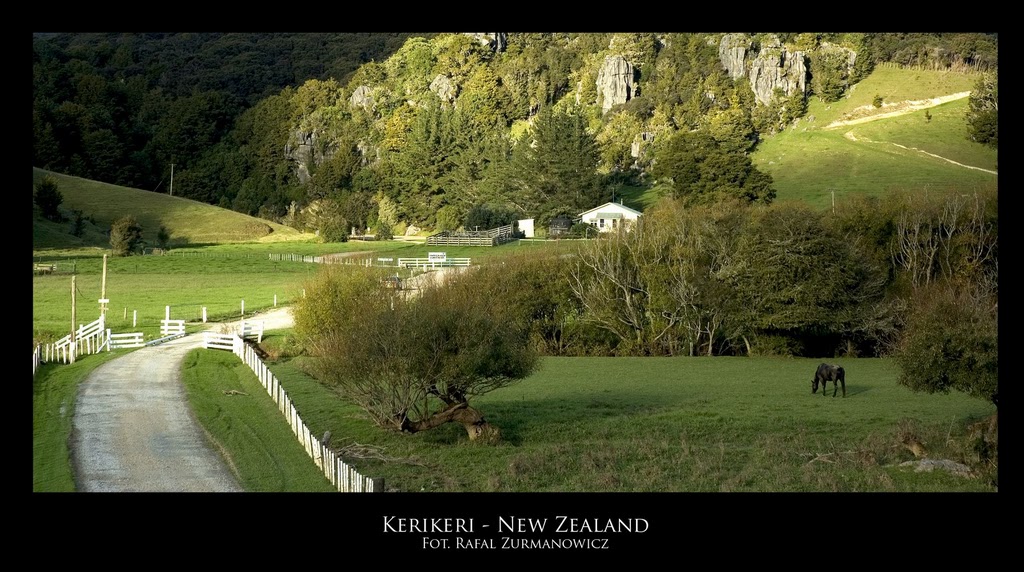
[(383, 131)]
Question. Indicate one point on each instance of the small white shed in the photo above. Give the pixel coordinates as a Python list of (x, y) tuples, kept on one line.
[(526, 227), (610, 216)]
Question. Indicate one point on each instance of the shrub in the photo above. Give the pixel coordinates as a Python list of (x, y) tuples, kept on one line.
[(951, 343), (48, 197), (163, 237), (413, 362), (125, 236)]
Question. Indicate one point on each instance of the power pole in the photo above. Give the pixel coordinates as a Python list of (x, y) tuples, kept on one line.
[(74, 345), (172, 179), (833, 201), (103, 289)]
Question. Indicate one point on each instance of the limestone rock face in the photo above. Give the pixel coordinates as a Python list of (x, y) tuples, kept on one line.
[(732, 51), (302, 153), (775, 67), (497, 41), (614, 82), (362, 97), (442, 87)]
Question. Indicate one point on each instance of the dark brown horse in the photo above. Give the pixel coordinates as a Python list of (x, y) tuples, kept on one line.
[(826, 373)]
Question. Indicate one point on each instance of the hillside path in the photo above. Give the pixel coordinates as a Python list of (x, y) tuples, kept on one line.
[(901, 108), (133, 430)]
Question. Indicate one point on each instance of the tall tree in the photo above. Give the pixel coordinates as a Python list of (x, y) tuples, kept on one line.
[(983, 113), (554, 166)]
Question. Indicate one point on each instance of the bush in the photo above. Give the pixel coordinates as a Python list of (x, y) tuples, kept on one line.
[(125, 236), (877, 102), (413, 362), (163, 237), (951, 343), (48, 197)]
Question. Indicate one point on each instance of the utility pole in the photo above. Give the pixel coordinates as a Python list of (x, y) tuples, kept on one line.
[(103, 289), (172, 179), (73, 341), (833, 201)]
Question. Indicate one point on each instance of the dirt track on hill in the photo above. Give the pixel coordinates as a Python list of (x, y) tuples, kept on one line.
[(133, 430), (903, 108)]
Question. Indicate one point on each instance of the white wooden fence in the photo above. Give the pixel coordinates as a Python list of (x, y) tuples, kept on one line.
[(428, 263), (89, 338), (249, 330), (118, 341), (172, 327), (342, 476)]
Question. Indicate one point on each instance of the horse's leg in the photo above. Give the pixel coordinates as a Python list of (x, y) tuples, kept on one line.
[(835, 387), (843, 380)]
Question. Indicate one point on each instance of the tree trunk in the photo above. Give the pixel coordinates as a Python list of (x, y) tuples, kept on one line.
[(471, 419)]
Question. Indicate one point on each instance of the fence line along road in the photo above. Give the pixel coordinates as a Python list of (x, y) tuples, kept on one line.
[(339, 473)]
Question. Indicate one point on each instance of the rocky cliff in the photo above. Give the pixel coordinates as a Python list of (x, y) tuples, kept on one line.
[(772, 67), (614, 82)]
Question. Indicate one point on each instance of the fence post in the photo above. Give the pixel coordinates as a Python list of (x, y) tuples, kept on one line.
[(204, 314), (135, 315)]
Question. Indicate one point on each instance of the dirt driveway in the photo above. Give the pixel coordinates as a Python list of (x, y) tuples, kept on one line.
[(134, 432)]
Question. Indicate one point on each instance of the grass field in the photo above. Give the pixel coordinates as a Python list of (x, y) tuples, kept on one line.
[(186, 221), (219, 278), (906, 152), (666, 424)]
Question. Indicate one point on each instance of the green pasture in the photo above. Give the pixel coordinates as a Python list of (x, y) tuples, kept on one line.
[(186, 221), (219, 278), (141, 288), (907, 152), (665, 424)]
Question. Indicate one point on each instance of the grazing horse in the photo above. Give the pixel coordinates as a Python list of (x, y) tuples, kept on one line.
[(826, 373)]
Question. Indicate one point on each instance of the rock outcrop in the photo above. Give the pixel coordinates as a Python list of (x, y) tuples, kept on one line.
[(362, 97), (444, 89), (302, 153), (732, 51), (614, 82), (496, 41), (777, 68), (774, 67)]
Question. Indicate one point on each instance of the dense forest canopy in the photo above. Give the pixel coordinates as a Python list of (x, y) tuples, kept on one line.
[(387, 130)]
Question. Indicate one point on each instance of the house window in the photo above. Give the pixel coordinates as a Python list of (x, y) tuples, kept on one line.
[(600, 223), (613, 224)]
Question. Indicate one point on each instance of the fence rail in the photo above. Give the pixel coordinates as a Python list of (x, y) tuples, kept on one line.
[(492, 237), (340, 474), (249, 330), (89, 338), (428, 263), (118, 341), (172, 327)]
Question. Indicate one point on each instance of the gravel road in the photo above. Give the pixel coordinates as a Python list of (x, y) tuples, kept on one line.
[(134, 432)]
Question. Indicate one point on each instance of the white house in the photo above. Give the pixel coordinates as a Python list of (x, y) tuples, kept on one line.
[(610, 216)]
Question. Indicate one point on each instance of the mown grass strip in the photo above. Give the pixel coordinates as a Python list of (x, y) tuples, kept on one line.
[(53, 406), (243, 420)]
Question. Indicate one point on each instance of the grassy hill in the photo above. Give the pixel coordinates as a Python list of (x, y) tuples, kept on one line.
[(188, 222), (850, 146)]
